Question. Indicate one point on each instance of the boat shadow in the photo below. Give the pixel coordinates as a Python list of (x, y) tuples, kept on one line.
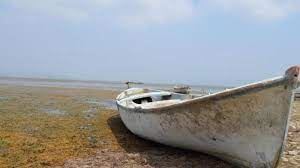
[(158, 155)]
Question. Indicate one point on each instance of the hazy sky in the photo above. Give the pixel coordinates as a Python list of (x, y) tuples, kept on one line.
[(220, 42)]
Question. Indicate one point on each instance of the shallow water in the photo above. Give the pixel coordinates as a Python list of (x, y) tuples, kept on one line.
[(54, 111), (3, 98), (93, 102), (108, 104), (90, 113)]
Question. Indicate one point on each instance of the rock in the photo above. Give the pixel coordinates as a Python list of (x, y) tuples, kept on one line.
[(104, 151), (133, 155), (83, 127), (292, 128), (284, 159), (144, 161), (92, 141), (293, 162), (292, 153)]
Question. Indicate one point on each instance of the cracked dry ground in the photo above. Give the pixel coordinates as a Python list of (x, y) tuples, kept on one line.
[(61, 127)]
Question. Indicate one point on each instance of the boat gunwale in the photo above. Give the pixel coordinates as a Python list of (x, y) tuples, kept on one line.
[(237, 91)]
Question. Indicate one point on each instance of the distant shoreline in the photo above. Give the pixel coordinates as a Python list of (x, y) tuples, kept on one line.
[(110, 85), (54, 79), (102, 81)]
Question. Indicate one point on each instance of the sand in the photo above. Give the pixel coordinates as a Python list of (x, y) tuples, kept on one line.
[(79, 127)]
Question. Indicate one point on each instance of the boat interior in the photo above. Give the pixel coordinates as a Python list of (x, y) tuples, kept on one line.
[(146, 99)]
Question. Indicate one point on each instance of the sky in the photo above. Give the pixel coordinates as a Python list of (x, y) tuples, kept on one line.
[(215, 42)]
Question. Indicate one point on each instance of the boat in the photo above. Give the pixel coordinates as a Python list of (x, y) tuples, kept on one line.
[(246, 126)]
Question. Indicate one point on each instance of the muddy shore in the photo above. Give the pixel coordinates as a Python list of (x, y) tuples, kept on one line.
[(79, 127)]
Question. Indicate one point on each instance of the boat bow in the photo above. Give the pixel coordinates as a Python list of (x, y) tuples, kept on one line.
[(293, 75)]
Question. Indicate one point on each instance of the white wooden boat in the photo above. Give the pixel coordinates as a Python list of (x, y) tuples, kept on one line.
[(246, 126)]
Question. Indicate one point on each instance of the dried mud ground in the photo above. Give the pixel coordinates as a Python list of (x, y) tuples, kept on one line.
[(64, 127)]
